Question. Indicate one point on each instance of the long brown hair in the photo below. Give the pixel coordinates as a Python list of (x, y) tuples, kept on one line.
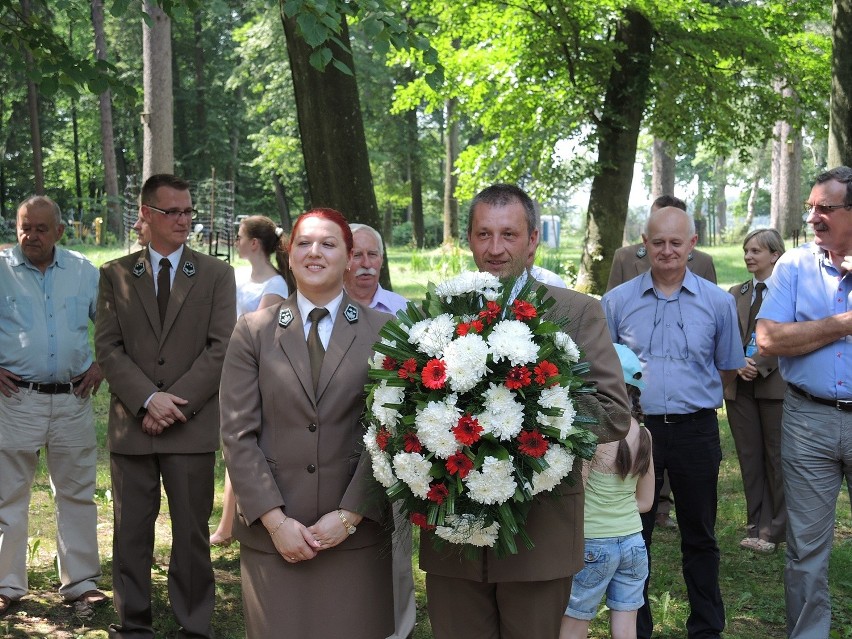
[(272, 239), (624, 463)]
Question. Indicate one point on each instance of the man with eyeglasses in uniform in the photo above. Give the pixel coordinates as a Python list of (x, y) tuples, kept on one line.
[(684, 330), (806, 320), (165, 316)]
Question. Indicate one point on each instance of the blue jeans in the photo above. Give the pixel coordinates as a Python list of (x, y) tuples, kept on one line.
[(615, 566), (690, 450), (816, 453)]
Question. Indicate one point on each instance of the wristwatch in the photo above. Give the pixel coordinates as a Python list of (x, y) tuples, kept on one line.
[(349, 527)]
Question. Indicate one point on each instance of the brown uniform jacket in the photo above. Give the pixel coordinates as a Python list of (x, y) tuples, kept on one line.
[(630, 261), (288, 447), (184, 357), (768, 384), (555, 520)]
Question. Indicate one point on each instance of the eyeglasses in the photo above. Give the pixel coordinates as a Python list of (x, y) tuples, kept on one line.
[(669, 342), (823, 209), (190, 213)]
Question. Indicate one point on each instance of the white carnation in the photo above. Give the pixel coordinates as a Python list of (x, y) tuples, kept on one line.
[(503, 416), (564, 342), (494, 483), (434, 424), (466, 359), (384, 394), (382, 470), (560, 462), (512, 340), (557, 397), (431, 336), (468, 282), (468, 529), (413, 469)]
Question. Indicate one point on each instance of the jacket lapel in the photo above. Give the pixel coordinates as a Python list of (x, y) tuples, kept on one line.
[(143, 282), (743, 308), (184, 281), (342, 336), (290, 334)]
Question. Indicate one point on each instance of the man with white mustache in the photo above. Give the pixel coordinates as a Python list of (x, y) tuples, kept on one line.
[(361, 282)]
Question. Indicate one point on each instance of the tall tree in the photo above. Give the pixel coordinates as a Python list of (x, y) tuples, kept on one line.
[(840, 127), (663, 171), (158, 144), (33, 110), (451, 154)]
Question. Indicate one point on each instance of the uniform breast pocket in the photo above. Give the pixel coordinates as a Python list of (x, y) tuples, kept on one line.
[(77, 310), (17, 311)]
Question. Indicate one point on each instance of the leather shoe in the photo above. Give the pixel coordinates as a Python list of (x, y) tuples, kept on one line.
[(664, 521), (84, 605), (758, 545), (5, 604)]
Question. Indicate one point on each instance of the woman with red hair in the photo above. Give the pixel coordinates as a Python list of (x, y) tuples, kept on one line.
[(315, 556)]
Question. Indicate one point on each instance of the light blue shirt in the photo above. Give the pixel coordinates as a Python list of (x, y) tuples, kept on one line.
[(388, 301), (806, 286), (44, 317), (682, 341)]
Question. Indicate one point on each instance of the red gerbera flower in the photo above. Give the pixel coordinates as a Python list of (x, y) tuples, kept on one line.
[(408, 368), (434, 374), (389, 363), (523, 310), (477, 326), (462, 329), (459, 464), (437, 493), (532, 443), (491, 312), (544, 371), (411, 443), (518, 377), (382, 438), (419, 519), (467, 430)]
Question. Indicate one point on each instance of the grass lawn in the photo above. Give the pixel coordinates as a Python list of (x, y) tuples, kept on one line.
[(752, 586)]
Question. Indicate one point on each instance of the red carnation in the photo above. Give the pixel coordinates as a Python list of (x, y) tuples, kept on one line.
[(462, 329), (382, 438), (532, 443), (491, 312), (434, 374), (411, 443), (419, 519), (389, 363), (524, 310), (437, 493), (408, 368), (467, 430), (460, 464), (518, 377), (544, 371)]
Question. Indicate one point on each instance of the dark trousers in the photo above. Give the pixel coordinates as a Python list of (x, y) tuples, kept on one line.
[(691, 452)]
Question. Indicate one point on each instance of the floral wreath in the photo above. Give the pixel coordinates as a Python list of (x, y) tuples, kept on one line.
[(471, 413)]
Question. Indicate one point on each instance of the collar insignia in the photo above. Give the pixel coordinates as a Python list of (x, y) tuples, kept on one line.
[(744, 288), (641, 252), (139, 269), (285, 317), (689, 259), (188, 268), (351, 313)]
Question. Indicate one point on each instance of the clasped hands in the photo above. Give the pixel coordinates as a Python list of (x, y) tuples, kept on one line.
[(162, 412), (748, 372), (296, 542)]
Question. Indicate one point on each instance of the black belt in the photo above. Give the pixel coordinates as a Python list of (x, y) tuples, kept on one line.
[(845, 406), (676, 419), (48, 389)]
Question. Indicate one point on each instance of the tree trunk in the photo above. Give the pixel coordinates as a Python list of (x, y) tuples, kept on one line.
[(840, 127), (698, 213), (755, 187), (114, 221), (158, 155), (387, 224), (281, 201), (786, 199), (618, 132), (331, 128), (415, 175), (720, 179), (663, 169), (451, 153), (33, 110)]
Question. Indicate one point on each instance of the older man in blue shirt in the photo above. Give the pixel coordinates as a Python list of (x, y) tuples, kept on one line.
[(806, 320), (684, 330), (47, 297)]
